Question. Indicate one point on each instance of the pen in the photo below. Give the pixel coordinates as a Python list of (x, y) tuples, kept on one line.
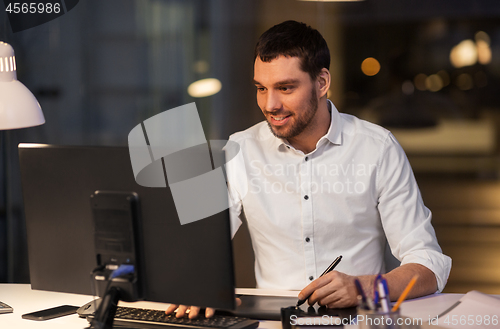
[(384, 295), (375, 290), (375, 300), (361, 295), (405, 293), (329, 269), (364, 301)]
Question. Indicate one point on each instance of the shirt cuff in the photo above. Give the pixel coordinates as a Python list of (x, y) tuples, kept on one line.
[(435, 261)]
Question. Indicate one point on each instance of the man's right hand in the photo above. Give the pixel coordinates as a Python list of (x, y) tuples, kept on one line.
[(193, 311)]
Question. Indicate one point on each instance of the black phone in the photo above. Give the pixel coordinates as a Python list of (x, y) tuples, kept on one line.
[(4, 308), (51, 313)]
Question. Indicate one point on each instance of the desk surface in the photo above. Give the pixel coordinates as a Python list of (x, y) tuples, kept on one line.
[(25, 300)]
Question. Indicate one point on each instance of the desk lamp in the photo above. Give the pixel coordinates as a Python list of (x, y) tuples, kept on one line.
[(18, 109)]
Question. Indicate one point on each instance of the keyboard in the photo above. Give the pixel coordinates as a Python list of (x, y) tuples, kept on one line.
[(129, 317)]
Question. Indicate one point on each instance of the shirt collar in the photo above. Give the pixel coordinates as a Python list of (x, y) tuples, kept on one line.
[(334, 134)]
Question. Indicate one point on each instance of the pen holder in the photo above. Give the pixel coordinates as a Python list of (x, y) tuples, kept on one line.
[(370, 319)]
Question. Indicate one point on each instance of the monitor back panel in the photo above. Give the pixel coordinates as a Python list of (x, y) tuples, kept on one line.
[(185, 264)]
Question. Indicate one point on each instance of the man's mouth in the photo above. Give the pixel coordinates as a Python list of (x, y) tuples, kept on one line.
[(279, 120)]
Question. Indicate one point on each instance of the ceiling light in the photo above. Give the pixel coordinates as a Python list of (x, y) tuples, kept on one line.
[(204, 88)]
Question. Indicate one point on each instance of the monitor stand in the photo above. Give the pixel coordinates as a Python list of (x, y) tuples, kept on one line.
[(121, 288), (105, 314)]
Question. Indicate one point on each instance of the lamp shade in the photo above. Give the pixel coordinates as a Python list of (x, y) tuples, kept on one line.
[(18, 107)]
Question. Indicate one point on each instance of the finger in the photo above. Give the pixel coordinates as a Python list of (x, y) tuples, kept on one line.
[(171, 309), (330, 301), (325, 293), (238, 301), (316, 284), (307, 291), (337, 302), (181, 311), (193, 312), (209, 312)]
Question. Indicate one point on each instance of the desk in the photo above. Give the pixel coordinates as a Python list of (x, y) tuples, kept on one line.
[(25, 300)]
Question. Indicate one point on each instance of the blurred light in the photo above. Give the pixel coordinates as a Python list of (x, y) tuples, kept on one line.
[(370, 66), (482, 36), (464, 81), (483, 52), (433, 83), (419, 81), (464, 54), (445, 77), (201, 66), (204, 87), (407, 87), (481, 79)]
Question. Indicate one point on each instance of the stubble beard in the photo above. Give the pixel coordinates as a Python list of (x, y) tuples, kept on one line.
[(301, 123)]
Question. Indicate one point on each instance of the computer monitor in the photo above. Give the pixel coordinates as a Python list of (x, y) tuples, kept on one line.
[(188, 264)]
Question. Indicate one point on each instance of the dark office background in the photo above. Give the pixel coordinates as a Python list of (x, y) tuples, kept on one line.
[(107, 65)]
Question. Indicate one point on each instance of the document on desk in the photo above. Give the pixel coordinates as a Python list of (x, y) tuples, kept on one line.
[(473, 310)]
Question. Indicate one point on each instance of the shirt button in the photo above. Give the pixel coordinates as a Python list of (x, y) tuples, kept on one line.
[(307, 158), (306, 197), (311, 278), (307, 239)]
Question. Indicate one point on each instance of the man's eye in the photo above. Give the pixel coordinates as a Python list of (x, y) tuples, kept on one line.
[(285, 88), (261, 89)]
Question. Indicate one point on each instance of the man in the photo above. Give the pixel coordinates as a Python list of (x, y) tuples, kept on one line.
[(314, 184)]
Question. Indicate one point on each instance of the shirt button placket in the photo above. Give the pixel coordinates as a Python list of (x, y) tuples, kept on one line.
[(307, 218)]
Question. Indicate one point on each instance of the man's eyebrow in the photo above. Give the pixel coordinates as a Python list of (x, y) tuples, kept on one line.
[(287, 82), (281, 83)]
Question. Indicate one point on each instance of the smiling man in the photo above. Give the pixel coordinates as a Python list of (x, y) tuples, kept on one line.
[(314, 184), (319, 184)]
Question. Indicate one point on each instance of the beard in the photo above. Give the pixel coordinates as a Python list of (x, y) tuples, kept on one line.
[(301, 122)]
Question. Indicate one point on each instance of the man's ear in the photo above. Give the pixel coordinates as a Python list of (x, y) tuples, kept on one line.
[(323, 82)]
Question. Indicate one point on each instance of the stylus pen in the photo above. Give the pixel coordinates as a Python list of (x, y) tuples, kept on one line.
[(328, 270)]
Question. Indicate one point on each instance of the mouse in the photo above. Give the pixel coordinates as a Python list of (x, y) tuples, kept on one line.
[(89, 308)]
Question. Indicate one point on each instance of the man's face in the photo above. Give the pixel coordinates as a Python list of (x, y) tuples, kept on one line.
[(286, 95)]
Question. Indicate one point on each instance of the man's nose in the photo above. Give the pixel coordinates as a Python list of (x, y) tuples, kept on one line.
[(273, 102)]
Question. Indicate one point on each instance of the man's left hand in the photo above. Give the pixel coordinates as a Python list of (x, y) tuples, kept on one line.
[(333, 290)]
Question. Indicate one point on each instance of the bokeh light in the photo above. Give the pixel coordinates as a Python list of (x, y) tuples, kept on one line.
[(464, 81), (204, 88), (419, 81), (433, 83), (370, 66), (464, 54)]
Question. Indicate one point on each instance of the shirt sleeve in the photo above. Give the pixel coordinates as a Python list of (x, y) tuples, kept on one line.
[(405, 219), (236, 182)]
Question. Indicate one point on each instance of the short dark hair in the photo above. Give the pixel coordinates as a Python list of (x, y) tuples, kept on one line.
[(294, 39)]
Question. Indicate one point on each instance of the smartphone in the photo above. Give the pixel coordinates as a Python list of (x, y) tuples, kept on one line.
[(51, 313), (4, 308)]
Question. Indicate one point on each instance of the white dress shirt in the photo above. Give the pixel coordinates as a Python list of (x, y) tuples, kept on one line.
[(344, 198)]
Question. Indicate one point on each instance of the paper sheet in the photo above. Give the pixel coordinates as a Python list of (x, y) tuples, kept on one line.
[(474, 310)]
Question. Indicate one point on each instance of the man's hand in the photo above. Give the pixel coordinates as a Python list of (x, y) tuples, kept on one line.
[(193, 311), (333, 290), (337, 290)]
